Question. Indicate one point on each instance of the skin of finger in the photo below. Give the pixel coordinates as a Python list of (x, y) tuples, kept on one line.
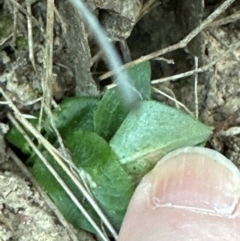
[(192, 194)]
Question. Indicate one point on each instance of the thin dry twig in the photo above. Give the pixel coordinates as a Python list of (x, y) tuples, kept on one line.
[(97, 56), (168, 61), (23, 10), (61, 21), (182, 44), (174, 100), (199, 70), (32, 102), (230, 19), (47, 81), (148, 6)]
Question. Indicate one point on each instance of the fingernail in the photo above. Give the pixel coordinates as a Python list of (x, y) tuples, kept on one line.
[(191, 192), (195, 178)]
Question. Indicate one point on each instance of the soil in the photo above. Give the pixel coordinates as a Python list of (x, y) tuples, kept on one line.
[(24, 214)]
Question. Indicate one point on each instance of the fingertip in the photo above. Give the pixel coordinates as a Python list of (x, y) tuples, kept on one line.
[(187, 192), (198, 178)]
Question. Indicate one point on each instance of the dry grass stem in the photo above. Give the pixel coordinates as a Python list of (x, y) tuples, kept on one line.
[(61, 21), (59, 138), (230, 19), (32, 102), (3, 103), (30, 35), (23, 10), (15, 16), (174, 100), (199, 70), (48, 79), (182, 44), (5, 39), (168, 61), (147, 7), (97, 56)]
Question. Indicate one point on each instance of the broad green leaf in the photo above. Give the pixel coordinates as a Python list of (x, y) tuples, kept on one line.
[(100, 169), (74, 113), (59, 196), (107, 180), (110, 113), (140, 76), (112, 109), (150, 131)]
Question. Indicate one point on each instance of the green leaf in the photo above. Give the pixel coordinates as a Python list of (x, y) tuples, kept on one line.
[(107, 180), (59, 196), (74, 113), (17, 139), (150, 131), (113, 109), (140, 76), (110, 113), (100, 169)]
